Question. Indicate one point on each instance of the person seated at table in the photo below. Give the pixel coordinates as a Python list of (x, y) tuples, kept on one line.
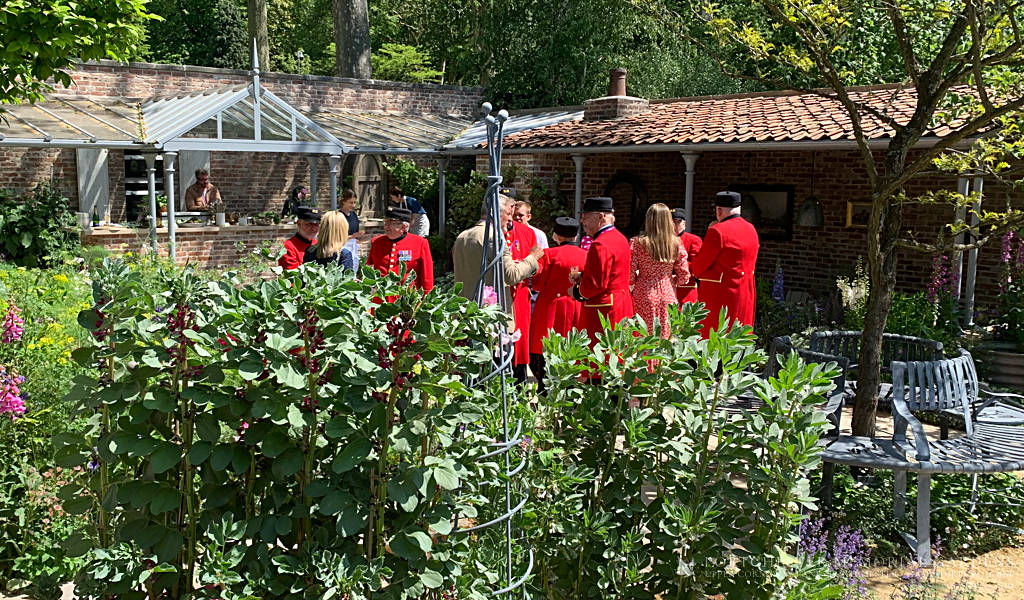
[(330, 247), (202, 195)]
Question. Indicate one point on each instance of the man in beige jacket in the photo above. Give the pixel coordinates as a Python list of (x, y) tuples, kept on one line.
[(469, 247)]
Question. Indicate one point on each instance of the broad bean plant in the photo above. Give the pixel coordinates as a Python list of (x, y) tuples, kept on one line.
[(306, 436), (653, 480)]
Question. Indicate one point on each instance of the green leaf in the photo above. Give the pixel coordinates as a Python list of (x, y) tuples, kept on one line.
[(353, 454), (287, 375), (288, 463), (76, 545), (221, 458), (165, 457), (445, 476), (78, 506), (200, 452), (207, 427), (336, 501), (411, 546), (147, 536), (250, 369), (166, 499), (240, 459), (168, 548), (431, 579), (275, 444), (353, 521), (283, 526), (160, 399)]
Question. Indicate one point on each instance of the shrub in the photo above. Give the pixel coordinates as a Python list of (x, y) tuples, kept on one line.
[(633, 501), (38, 228), (286, 436), (47, 304), (869, 508)]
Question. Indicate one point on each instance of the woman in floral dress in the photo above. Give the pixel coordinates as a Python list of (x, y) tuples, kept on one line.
[(656, 255)]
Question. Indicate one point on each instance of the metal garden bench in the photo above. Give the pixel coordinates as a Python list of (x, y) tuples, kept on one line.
[(894, 347), (930, 386), (780, 350)]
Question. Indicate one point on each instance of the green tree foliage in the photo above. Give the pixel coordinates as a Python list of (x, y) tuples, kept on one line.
[(37, 229), (535, 53), (42, 39), (301, 25), (959, 62), (399, 62), (198, 32)]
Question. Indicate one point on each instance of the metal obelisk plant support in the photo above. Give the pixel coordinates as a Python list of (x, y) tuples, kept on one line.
[(492, 274)]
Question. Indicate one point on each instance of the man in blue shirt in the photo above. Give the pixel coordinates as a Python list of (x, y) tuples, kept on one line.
[(420, 222)]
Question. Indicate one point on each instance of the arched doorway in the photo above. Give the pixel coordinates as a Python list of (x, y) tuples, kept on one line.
[(629, 189), (363, 173)]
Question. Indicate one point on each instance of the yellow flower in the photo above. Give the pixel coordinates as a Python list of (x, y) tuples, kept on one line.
[(61, 278), (127, 254)]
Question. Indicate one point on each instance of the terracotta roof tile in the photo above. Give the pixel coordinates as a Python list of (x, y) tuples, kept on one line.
[(766, 117)]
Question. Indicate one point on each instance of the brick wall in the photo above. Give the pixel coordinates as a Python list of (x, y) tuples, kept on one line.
[(815, 256), (142, 80), (22, 168)]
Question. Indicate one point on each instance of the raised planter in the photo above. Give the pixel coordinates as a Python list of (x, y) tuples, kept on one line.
[(1003, 365)]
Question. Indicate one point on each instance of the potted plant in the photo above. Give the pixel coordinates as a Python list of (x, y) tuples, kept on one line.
[(218, 213), (161, 204)]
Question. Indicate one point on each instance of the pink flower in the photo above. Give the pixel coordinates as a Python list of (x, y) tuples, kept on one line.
[(490, 296), (10, 393), (12, 325)]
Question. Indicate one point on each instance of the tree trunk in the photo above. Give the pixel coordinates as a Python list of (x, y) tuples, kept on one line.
[(351, 39), (258, 31), (883, 233)]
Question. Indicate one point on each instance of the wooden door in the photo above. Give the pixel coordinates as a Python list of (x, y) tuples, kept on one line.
[(368, 184)]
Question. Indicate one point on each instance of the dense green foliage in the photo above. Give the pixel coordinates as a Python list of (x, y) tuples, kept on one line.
[(281, 436), (526, 52), (199, 32), (648, 486), (37, 228), (32, 523), (42, 39), (868, 507)]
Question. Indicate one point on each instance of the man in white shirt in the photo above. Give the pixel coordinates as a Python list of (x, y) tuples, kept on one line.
[(523, 215)]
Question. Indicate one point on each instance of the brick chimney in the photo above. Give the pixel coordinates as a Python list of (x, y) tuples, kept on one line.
[(616, 105)]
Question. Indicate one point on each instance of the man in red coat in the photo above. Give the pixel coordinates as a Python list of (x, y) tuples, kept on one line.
[(686, 289), (520, 240), (555, 310), (725, 265), (603, 285), (295, 247), (398, 247)]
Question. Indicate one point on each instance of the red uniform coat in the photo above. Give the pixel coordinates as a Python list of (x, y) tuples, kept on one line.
[(555, 308), (294, 250), (604, 283), (410, 250), (521, 239), (725, 267), (686, 291)]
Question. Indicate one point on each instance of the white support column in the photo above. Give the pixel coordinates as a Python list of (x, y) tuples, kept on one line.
[(691, 162), (151, 176), (170, 158), (442, 209), (963, 187), (577, 159), (972, 256), (332, 161), (314, 162)]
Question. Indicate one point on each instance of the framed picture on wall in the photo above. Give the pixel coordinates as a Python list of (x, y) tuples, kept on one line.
[(858, 214), (769, 208)]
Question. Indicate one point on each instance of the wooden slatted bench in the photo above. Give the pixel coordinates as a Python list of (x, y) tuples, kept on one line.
[(930, 386)]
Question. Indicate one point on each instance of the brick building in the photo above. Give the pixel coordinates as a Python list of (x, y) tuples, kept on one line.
[(785, 152), (780, 149)]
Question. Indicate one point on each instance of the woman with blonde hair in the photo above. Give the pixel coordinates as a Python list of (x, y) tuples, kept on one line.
[(656, 255), (330, 247)]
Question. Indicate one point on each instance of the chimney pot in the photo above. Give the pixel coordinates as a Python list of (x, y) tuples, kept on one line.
[(617, 82)]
